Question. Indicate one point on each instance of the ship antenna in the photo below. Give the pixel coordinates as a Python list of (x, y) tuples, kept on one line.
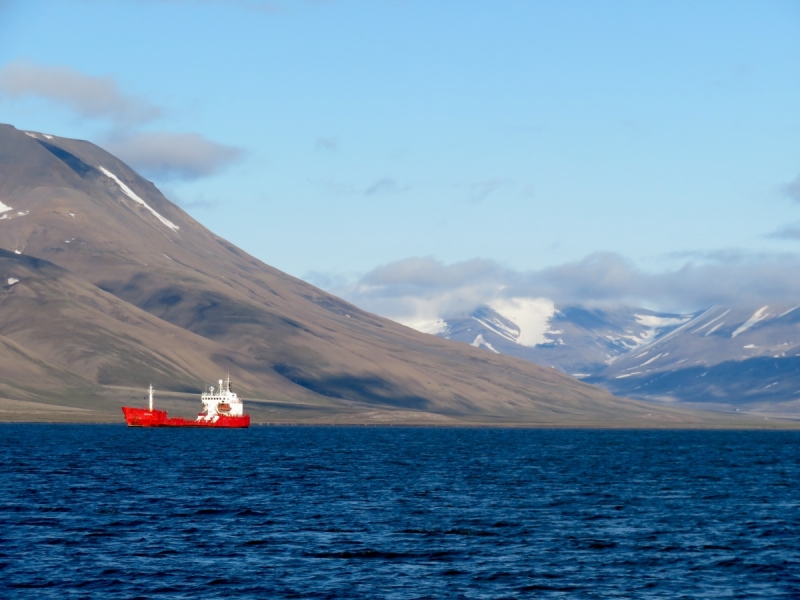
[(151, 397)]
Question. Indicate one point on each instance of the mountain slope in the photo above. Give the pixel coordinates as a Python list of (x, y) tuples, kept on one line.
[(742, 357), (102, 338), (145, 292)]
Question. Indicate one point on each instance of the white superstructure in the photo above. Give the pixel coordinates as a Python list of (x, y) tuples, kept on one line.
[(221, 401)]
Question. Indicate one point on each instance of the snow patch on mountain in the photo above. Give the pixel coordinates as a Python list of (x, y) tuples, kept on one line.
[(759, 315), (711, 321), (628, 375), (12, 281), (4, 208), (688, 321), (479, 341), (497, 326), (531, 316), (656, 322), (652, 325), (130, 193), (652, 359)]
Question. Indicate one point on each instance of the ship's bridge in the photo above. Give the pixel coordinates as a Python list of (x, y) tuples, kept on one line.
[(220, 401)]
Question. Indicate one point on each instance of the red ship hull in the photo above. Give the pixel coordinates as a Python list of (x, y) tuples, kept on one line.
[(141, 417)]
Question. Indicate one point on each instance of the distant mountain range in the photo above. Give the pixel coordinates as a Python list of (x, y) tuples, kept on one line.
[(725, 358), (107, 286)]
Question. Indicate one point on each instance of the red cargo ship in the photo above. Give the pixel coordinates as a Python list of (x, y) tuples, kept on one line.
[(220, 409)]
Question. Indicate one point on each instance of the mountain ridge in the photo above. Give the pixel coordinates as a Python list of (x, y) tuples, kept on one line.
[(723, 357)]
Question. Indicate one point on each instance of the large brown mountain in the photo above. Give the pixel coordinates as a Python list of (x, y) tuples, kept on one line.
[(107, 286)]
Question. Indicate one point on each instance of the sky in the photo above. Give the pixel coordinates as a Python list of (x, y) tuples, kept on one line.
[(431, 156)]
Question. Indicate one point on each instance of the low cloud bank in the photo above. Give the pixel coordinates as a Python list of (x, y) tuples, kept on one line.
[(421, 292)]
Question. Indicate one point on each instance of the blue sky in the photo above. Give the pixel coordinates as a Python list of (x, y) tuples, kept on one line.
[(341, 136)]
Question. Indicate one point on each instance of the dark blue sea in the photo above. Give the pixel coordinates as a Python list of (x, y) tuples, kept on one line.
[(103, 511)]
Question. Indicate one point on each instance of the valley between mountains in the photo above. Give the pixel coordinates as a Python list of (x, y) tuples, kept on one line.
[(107, 286)]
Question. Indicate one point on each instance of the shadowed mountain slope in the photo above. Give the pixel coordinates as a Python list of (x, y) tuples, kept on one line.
[(116, 286), (746, 358)]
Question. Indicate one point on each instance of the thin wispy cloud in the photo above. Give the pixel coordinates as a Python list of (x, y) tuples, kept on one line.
[(793, 189), (200, 202), (338, 188), (188, 202), (479, 191), (85, 95), (790, 232), (328, 144), (385, 185)]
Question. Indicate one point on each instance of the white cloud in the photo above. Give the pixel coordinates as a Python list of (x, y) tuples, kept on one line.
[(87, 96), (164, 155), (160, 155), (421, 292)]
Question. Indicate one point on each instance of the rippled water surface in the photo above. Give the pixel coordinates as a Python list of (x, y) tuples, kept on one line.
[(102, 511)]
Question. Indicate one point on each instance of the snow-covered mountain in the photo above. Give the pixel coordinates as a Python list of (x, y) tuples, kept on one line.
[(732, 356), (577, 340), (736, 358)]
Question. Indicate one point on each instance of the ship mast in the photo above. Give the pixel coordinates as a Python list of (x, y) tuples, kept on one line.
[(151, 397)]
